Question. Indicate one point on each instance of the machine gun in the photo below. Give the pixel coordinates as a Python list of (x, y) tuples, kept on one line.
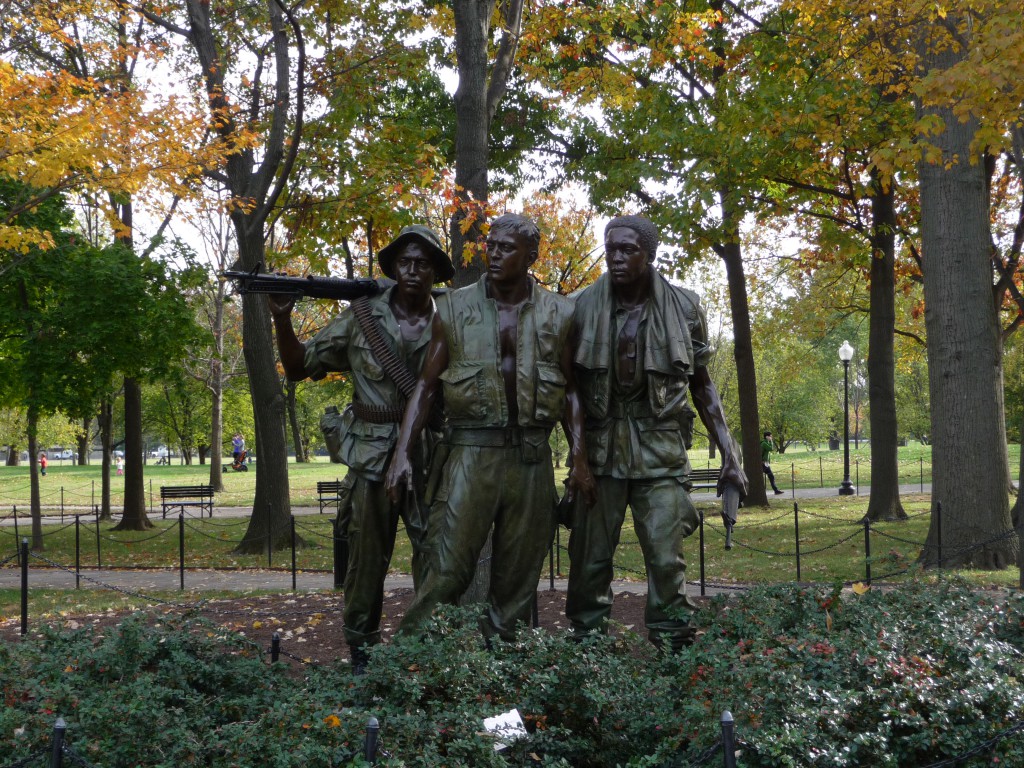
[(314, 287)]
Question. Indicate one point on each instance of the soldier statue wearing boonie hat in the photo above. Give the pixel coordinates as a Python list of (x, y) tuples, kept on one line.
[(363, 435)]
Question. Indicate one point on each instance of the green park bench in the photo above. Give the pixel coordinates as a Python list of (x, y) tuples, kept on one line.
[(181, 496)]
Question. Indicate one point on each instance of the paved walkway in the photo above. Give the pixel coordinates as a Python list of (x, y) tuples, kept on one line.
[(143, 581)]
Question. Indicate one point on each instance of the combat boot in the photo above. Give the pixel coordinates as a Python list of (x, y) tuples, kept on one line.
[(360, 659)]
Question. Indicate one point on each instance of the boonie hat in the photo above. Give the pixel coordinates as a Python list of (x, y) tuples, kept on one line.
[(443, 268)]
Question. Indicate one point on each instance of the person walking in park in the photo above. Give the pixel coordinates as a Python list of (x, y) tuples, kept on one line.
[(42, 463), (767, 446), (644, 348), (501, 355), (390, 332), (237, 448)]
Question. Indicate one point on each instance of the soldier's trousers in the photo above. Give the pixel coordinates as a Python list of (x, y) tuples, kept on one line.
[(483, 488), (371, 540), (663, 516)]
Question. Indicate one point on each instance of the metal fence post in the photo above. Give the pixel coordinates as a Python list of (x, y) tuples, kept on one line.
[(856, 472), (867, 550), (57, 748), (821, 473), (16, 533), (551, 564), (99, 553), (270, 543), (78, 551), (921, 459), (62, 505), (372, 735), (24, 586), (702, 592), (728, 740), (293, 553), (181, 549), (796, 526), (558, 550)]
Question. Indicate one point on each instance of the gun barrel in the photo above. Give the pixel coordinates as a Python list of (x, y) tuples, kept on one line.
[(314, 287)]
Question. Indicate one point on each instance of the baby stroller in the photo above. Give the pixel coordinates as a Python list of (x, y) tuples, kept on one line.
[(238, 464)]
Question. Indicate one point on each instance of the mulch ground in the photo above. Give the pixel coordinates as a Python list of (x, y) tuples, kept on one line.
[(309, 626)]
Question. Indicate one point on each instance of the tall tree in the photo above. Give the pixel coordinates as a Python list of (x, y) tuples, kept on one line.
[(671, 136), (251, 65), (126, 143), (964, 353), (483, 81)]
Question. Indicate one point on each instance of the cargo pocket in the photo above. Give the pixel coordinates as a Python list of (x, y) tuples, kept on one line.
[(535, 446), (367, 365), (661, 444), (334, 427), (549, 397), (463, 391)]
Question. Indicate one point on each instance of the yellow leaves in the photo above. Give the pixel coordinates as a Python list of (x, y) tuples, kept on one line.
[(332, 721), (860, 588), (22, 240)]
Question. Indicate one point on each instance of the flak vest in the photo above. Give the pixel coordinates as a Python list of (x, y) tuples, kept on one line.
[(474, 391)]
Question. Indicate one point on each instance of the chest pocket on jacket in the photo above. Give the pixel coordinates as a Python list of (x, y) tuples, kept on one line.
[(463, 391), (365, 363), (668, 394)]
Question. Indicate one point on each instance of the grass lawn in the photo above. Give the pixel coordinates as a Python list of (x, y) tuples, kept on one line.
[(831, 541)]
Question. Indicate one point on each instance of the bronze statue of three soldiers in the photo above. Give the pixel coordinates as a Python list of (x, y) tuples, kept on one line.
[(506, 360)]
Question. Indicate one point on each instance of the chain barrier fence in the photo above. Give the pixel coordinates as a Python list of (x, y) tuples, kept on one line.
[(729, 745)]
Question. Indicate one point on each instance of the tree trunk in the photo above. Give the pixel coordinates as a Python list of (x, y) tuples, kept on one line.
[(1017, 513), (969, 462), (217, 430), (13, 459), (293, 423), (216, 384), (134, 517), (472, 22), (106, 420), (271, 513), (743, 351), (884, 503), (83, 443), (35, 507)]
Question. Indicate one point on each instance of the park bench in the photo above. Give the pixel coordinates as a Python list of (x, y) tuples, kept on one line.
[(705, 478), (330, 492), (182, 496)]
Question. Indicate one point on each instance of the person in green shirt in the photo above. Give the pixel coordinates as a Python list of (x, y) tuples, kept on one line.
[(767, 446), (365, 434), (644, 351), (501, 355)]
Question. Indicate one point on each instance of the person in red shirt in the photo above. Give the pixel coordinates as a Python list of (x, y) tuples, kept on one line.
[(42, 463)]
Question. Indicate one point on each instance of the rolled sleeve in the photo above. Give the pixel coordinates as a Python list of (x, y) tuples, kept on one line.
[(328, 350)]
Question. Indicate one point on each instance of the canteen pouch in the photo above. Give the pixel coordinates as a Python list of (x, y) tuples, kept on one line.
[(332, 425)]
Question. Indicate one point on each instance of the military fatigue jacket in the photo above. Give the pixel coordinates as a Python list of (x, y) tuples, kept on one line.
[(640, 429), (474, 391), (341, 346)]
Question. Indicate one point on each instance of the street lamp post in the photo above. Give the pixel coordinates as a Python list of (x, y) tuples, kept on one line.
[(846, 355)]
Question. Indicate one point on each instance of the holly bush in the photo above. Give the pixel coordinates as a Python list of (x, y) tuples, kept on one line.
[(814, 676)]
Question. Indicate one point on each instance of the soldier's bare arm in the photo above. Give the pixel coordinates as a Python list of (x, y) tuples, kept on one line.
[(417, 412)]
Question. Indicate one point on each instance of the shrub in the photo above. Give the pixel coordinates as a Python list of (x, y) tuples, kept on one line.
[(813, 676)]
